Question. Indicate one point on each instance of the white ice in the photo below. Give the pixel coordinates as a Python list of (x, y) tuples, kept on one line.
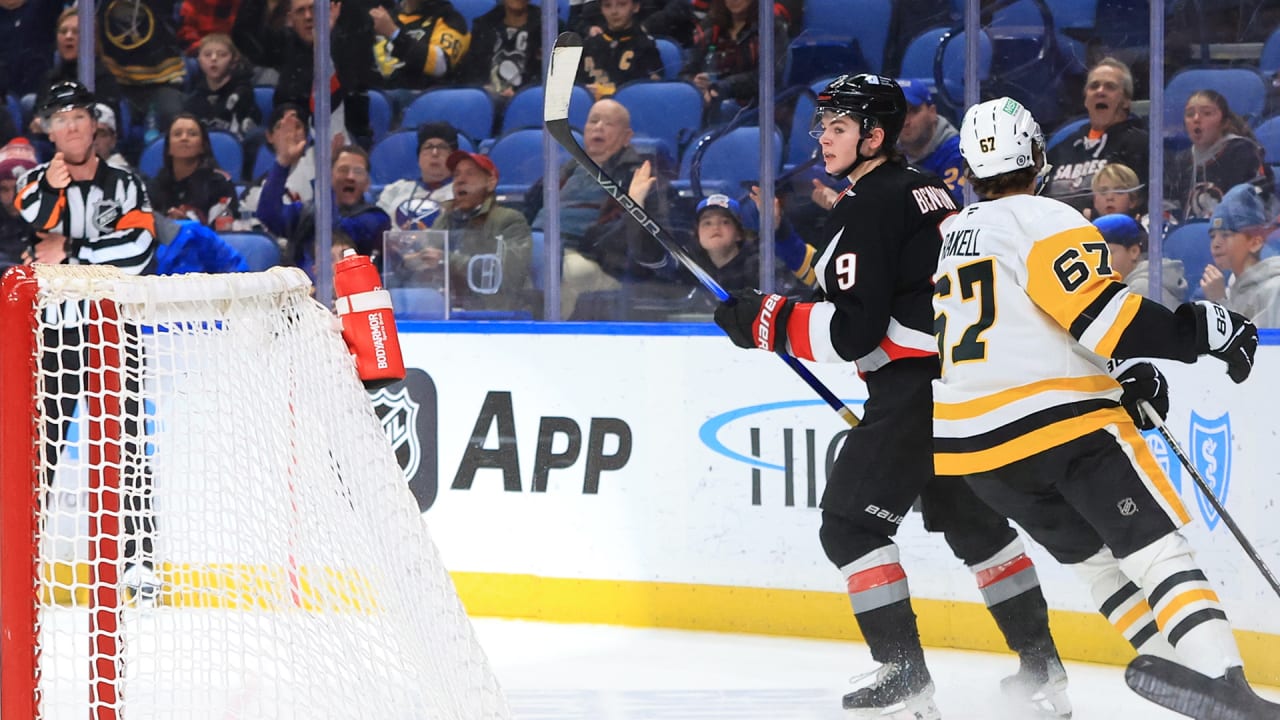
[(595, 672)]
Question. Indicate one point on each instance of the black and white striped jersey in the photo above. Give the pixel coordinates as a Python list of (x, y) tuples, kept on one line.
[(107, 220)]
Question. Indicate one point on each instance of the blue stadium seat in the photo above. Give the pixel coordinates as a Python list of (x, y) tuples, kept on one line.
[(1064, 130), (672, 57), (472, 9), (865, 21), (262, 162), (1190, 244), (379, 114), (417, 303), (518, 157), (799, 145), (538, 261), (227, 151), (1269, 61), (152, 158), (1073, 14), (1268, 134), (259, 251), (814, 56), (394, 157), (525, 109), (918, 58), (667, 111), (263, 95), (15, 111), (468, 109), (729, 163), (1244, 90)]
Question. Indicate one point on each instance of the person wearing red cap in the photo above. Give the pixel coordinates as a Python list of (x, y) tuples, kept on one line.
[(16, 236), (490, 247)]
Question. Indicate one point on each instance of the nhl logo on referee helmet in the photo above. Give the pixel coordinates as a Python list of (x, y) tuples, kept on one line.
[(417, 213)]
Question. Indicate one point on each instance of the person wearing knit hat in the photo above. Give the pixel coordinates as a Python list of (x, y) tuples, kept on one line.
[(1127, 241), (104, 139), (413, 203), (1237, 234), (16, 236)]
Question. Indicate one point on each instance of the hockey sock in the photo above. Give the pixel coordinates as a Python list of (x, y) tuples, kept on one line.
[(1011, 589), (1122, 603), (881, 604), (1186, 608)]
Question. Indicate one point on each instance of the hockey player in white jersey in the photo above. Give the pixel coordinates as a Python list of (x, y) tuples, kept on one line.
[(1027, 312)]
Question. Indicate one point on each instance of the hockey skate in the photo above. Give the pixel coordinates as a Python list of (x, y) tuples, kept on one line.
[(141, 585), (896, 692), (1041, 692)]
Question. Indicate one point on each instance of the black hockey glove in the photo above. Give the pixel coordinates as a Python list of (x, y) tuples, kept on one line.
[(754, 320), (1143, 381), (1226, 335)]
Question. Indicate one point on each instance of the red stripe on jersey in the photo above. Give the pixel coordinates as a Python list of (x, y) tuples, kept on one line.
[(1003, 571), (878, 576), (798, 331), (898, 352)]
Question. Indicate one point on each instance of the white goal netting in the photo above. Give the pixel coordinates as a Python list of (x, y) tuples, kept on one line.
[(223, 530)]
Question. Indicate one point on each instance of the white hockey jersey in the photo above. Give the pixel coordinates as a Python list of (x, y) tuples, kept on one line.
[(1027, 309)]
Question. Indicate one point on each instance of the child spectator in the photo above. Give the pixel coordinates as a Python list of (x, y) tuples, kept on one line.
[(1116, 189), (1127, 242), (414, 203), (1237, 232), (198, 18), (1223, 154), (67, 68), (620, 53), (725, 58), (223, 94), (506, 49), (17, 238), (422, 44), (190, 186), (104, 139)]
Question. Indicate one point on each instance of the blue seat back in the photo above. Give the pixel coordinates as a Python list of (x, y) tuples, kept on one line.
[(1190, 244), (1268, 134), (1269, 61), (379, 114), (666, 111), (799, 145), (472, 9), (525, 109), (672, 57), (1065, 130), (918, 58), (228, 152), (259, 251), (729, 162), (263, 97), (1244, 90), (518, 157), (394, 157), (865, 21), (468, 109)]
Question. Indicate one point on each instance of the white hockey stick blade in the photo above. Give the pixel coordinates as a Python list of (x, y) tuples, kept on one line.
[(558, 88)]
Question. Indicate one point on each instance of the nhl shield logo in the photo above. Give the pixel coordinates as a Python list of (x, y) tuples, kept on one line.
[(408, 412), (1211, 454)]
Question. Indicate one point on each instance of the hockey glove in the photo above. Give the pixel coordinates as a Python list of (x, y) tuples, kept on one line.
[(1226, 335), (754, 320), (1143, 381)]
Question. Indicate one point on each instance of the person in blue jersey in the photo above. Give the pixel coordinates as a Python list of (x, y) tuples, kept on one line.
[(929, 140)]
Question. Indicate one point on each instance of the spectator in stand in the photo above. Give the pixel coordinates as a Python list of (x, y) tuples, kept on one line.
[(295, 221), (421, 45), (929, 140), (1112, 135), (198, 18), (26, 44), (596, 256), (289, 52), (104, 140), (136, 43), (622, 52), (17, 238), (725, 58), (1223, 154), (676, 19), (1116, 189), (287, 127), (730, 252), (223, 94), (490, 246), (67, 68), (1127, 241), (506, 50), (1237, 231), (414, 203), (190, 186)]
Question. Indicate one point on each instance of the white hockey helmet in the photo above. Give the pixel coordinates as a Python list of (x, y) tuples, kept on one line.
[(998, 136)]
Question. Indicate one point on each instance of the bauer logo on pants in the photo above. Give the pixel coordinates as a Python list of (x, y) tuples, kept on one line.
[(408, 412), (1210, 451)]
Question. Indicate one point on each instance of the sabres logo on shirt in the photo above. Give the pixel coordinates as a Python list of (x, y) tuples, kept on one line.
[(106, 213), (417, 213)]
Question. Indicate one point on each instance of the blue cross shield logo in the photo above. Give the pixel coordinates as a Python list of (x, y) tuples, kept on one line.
[(1164, 455), (1211, 454)]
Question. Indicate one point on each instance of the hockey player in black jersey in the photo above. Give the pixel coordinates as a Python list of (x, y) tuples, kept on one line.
[(1027, 302), (875, 275)]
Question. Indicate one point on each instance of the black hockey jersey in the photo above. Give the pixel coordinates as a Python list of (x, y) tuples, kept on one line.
[(1078, 158), (876, 272), (611, 59)]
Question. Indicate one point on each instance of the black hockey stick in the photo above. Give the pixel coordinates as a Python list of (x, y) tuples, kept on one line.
[(1186, 691), (557, 90), (1154, 417)]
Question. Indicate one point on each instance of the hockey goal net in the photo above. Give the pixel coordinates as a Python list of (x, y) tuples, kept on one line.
[(201, 516)]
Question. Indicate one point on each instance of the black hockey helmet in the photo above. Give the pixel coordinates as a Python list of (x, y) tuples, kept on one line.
[(66, 95), (876, 99)]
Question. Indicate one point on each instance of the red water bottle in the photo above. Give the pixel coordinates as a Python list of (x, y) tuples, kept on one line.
[(368, 325)]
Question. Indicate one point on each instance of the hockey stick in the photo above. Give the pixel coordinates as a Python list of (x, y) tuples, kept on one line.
[(1186, 691), (1155, 418), (557, 90)]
